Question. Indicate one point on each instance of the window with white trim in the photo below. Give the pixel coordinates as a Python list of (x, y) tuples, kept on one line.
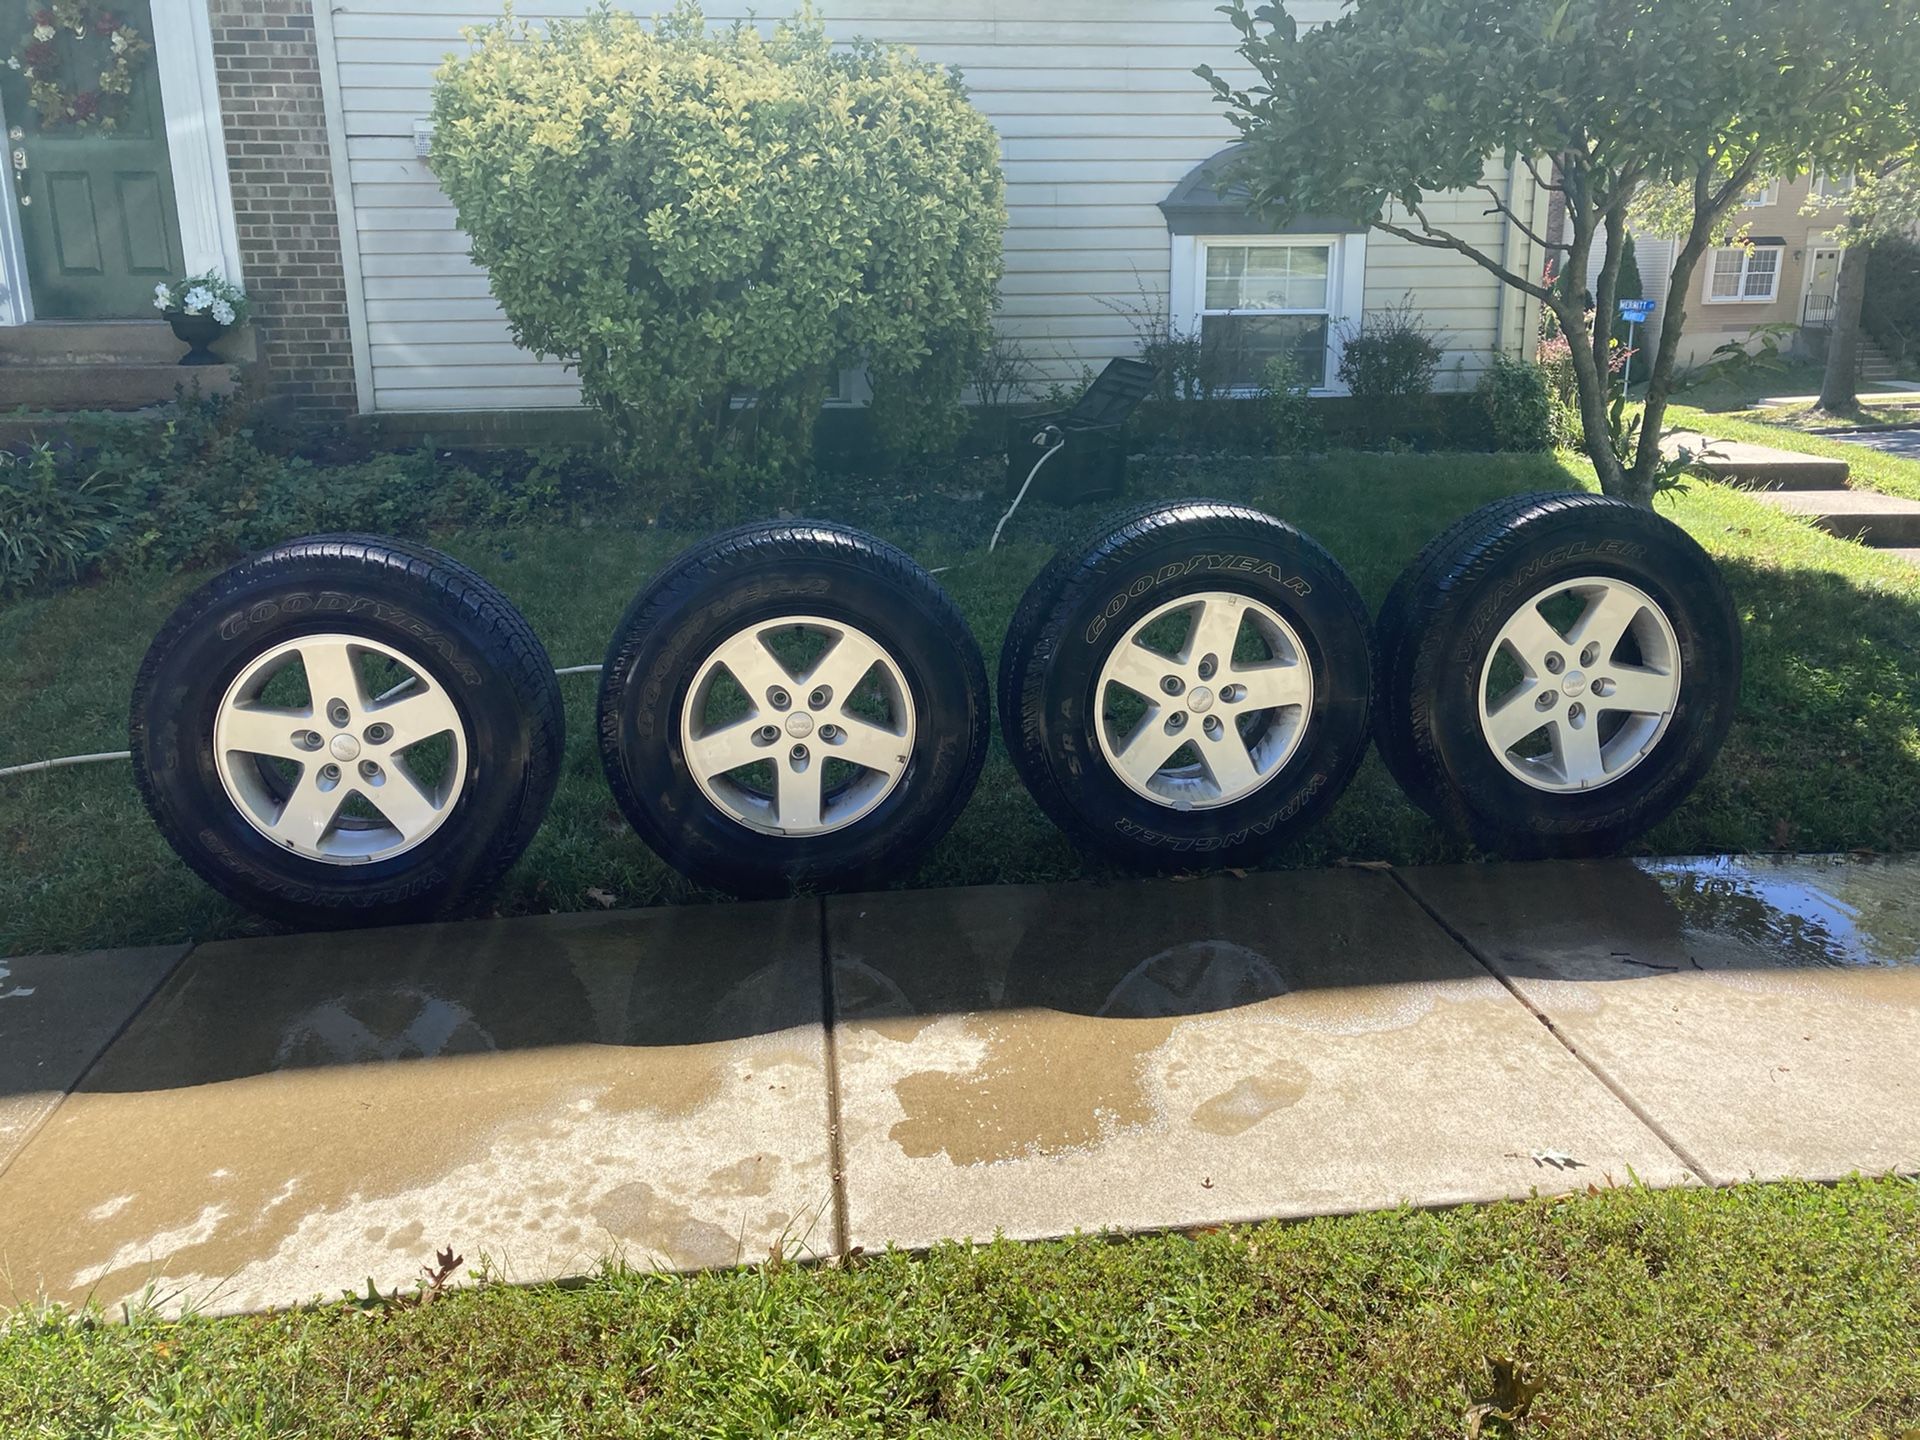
[(1763, 194), (1833, 187), (1262, 299), (1744, 273)]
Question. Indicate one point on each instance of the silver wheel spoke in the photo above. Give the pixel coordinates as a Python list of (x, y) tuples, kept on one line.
[(331, 674), (843, 667), (797, 796), (406, 807), (308, 813), (869, 746), (748, 660), (1533, 639), (1150, 748), (1517, 717), (1226, 758), (1269, 685), (719, 751), (1140, 669), (252, 731), (1577, 747), (417, 715), (1215, 629), (1642, 692), (1604, 621)]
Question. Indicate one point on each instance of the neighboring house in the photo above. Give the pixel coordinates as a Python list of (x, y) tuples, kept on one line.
[(1784, 273), (284, 146)]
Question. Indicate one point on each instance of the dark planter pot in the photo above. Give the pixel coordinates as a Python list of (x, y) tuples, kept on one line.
[(197, 332)]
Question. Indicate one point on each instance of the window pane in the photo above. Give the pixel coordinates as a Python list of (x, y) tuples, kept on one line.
[(1726, 274), (1761, 265), (1236, 348), (1267, 277), (1226, 264)]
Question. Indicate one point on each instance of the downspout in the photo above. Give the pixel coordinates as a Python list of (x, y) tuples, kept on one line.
[(1506, 240)]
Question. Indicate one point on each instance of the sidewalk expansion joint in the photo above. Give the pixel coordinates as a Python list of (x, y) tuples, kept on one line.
[(836, 1156), (1614, 1088), (26, 1141)]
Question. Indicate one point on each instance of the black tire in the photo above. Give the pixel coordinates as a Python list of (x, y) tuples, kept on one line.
[(1083, 604), (459, 633), (672, 632), (1441, 622)]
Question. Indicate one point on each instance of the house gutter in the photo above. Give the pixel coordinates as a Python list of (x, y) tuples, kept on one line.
[(1506, 242)]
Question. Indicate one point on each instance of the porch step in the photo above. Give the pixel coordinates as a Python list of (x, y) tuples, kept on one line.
[(1760, 466), (107, 386), (1886, 522), (80, 342)]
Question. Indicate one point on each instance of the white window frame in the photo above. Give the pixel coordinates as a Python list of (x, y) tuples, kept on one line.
[(1833, 187), (1346, 289), (1747, 252), (1761, 197)]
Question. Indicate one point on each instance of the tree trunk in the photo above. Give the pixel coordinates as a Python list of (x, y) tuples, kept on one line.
[(1838, 388)]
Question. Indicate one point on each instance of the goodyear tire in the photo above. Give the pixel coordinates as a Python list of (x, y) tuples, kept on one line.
[(1556, 673), (792, 705), (1191, 686), (347, 730)]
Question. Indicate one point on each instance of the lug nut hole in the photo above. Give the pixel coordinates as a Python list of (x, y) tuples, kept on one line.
[(779, 699), (338, 713)]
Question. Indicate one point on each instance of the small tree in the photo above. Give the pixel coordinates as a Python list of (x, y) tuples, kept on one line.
[(710, 225), (1369, 115)]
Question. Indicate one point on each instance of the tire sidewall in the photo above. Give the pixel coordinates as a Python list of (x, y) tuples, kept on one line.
[(184, 687), (1095, 615), (641, 735), (1676, 577)]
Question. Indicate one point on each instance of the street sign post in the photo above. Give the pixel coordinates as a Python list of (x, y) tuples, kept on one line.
[(1634, 312)]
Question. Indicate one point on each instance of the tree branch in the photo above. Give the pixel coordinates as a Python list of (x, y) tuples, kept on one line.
[(1534, 169), (1437, 239), (1500, 207)]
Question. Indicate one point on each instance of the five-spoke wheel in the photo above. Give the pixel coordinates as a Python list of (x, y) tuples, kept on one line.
[(346, 728), (792, 705), (1190, 686), (1555, 673)]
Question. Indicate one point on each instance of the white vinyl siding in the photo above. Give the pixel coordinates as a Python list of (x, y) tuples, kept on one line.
[(1099, 115)]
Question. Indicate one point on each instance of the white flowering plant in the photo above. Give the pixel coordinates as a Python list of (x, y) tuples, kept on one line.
[(207, 294)]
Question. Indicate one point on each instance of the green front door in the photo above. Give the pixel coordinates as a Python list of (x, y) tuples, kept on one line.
[(96, 203)]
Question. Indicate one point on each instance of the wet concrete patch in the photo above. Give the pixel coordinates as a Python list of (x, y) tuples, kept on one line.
[(1765, 1013), (57, 1013), (290, 1117), (1035, 1060)]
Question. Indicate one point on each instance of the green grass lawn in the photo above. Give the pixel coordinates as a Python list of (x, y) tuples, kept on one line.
[(1754, 1313), (1825, 756)]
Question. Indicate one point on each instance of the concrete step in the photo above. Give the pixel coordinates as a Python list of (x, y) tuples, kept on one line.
[(20, 429), (1738, 463), (1883, 521), (79, 342), (1902, 552), (71, 386)]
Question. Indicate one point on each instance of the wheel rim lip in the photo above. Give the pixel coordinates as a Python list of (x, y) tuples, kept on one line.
[(245, 791), (854, 801), (1653, 616), (1187, 785)]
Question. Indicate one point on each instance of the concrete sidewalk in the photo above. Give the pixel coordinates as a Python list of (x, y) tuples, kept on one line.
[(258, 1122)]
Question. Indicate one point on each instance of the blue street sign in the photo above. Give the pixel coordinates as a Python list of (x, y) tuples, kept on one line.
[(1635, 310)]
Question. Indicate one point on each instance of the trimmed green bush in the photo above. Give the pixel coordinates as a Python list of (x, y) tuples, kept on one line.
[(1519, 405), (711, 225)]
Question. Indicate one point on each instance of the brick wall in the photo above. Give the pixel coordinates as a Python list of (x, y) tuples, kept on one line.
[(276, 131)]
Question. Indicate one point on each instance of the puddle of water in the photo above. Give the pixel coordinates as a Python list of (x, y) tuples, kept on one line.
[(1813, 911)]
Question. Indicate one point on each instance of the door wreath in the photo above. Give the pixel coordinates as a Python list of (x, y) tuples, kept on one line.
[(49, 61)]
